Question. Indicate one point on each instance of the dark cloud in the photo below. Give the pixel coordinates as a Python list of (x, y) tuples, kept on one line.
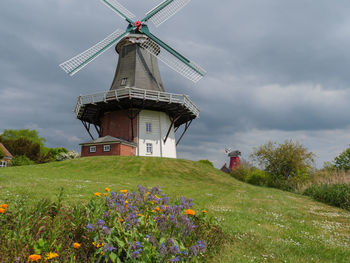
[(276, 70)]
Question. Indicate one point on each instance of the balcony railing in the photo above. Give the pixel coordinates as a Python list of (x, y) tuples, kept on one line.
[(135, 93)]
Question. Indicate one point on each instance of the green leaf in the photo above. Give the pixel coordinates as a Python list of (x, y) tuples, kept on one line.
[(113, 257)]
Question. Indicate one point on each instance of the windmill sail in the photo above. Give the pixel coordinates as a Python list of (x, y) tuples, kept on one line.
[(78, 62), (164, 11), (119, 9), (172, 58)]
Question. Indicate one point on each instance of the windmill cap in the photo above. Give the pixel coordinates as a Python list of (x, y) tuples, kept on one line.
[(234, 154), (131, 39)]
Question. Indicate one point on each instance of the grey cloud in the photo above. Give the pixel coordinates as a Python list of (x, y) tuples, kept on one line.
[(276, 69)]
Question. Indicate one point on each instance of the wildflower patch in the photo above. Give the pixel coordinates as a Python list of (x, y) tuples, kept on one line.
[(121, 226)]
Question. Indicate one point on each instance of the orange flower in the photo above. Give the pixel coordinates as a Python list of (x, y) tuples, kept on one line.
[(204, 211), (157, 209), (121, 220), (107, 189), (190, 212), (105, 194), (2, 210), (98, 245), (124, 191), (51, 255), (34, 257), (4, 206), (76, 245), (97, 194)]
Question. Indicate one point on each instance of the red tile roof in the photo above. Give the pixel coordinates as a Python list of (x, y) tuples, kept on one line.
[(7, 153)]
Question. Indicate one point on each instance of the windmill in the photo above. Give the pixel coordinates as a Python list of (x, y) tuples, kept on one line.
[(136, 116), (235, 161)]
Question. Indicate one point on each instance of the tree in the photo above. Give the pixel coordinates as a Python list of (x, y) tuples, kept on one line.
[(30, 135), (284, 161), (342, 161)]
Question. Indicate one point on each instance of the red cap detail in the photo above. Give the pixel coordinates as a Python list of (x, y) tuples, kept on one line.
[(138, 24)]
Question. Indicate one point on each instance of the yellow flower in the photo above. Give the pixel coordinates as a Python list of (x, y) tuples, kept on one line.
[(2, 210), (124, 191), (97, 194), (107, 189), (4, 206), (51, 255), (139, 214), (98, 245), (76, 245), (190, 212), (34, 257), (204, 211)]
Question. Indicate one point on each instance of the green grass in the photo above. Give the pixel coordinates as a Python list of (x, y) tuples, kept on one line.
[(266, 225)]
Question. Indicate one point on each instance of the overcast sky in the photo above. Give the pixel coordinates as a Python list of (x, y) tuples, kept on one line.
[(277, 70)]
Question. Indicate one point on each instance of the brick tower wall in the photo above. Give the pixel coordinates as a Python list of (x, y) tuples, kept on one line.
[(117, 124)]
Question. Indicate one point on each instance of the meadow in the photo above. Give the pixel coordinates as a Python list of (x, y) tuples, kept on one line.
[(262, 224)]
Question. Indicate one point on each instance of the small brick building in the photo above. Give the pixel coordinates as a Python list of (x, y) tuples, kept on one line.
[(108, 145), (7, 158)]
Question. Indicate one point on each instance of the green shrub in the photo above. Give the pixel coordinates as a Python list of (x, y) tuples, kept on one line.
[(258, 177), (241, 173), (332, 194), (21, 160), (207, 162)]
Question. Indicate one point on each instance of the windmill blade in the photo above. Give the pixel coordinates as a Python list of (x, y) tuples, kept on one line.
[(173, 58), (164, 11), (75, 64), (120, 10)]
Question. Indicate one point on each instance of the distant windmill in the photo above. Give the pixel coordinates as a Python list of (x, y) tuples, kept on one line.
[(235, 161), (136, 116)]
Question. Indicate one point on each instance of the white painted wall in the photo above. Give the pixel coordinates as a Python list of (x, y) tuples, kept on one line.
[(160, 124)]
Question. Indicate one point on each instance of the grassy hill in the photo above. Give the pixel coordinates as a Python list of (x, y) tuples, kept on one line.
[(266, 225)]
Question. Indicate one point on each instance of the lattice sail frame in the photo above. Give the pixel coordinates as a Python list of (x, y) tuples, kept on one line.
[(163, 14), (193, 72), (119, 9), (78, 62)]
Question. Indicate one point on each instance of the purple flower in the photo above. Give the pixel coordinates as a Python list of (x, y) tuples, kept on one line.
[(106, 230), (109, 247), (90, 227), (136, 254), (175, 259), (100, 223)]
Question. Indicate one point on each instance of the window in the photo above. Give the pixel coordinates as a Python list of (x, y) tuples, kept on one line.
[(123, 81), (92, 149), (3, 164), (148, 127), (106, 148), (149, 148)]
